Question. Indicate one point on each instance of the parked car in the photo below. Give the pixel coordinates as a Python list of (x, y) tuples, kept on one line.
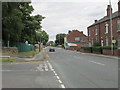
[(51, 50)]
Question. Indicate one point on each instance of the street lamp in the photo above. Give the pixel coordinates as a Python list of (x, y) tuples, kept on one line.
[(111, 27)]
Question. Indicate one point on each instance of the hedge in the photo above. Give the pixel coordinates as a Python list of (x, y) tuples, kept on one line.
[(87, 48), (97, 49), (109, 47)]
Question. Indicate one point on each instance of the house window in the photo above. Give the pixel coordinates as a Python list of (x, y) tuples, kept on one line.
[(77, 39), (96, 39), (92, 42), (96, 31), (81, 39), (106, 28), (106, 41), (118, 25)]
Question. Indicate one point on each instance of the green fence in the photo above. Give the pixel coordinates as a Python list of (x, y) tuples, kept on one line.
[(22, 47)]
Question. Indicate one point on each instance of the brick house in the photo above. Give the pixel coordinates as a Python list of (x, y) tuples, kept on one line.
[(75, 39), (100, 31)]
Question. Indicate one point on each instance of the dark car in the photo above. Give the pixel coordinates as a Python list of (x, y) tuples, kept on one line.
[(51, 50)]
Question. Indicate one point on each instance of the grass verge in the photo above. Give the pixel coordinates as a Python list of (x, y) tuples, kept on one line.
[(7, 60)]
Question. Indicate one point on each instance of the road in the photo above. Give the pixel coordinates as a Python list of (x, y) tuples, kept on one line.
[(63, 69), (79, 70)]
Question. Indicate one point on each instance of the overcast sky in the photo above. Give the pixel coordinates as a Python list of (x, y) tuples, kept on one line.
[(64, 15)]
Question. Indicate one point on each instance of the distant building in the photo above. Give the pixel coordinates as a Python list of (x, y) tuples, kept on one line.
[(100, 31), (75, 39)]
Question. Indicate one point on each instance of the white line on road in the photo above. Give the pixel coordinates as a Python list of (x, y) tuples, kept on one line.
[(54, 71), (96, 62), (59, 81), (62, 86), (58, 78)]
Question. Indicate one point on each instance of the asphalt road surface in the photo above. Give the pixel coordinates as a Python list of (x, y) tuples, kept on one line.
[(79, 70), (62, 69)]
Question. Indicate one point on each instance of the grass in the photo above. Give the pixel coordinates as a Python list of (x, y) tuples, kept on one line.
[(28, 54), (31, 52), (7, 60)]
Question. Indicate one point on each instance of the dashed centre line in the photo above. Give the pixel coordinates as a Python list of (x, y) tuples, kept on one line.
[(96, 62)]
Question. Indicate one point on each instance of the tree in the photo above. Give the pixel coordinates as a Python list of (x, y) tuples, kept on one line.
[(60, 38), (12, 22), (42, 36), (18, 24)]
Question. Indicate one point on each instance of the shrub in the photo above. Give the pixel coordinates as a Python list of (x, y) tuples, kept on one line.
[(96, 44), (109, 47), (87, 48), (97, 49), (62, 45)]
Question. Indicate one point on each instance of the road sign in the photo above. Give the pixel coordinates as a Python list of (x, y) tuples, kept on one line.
[(114, 41)]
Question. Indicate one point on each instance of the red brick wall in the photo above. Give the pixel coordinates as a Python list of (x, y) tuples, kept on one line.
[(108, 52), (102, 34), (75, 33)]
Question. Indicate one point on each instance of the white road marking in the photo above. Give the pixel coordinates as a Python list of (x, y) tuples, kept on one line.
[(60, 81), (55, 74), (96, 62), (54, 71), (57, 77), (62, 86), (46, 67)]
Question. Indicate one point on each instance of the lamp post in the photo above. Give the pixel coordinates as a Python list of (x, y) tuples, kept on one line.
[(111, 28)]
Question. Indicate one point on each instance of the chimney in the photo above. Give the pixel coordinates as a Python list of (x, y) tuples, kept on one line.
[(119, 6), (108, 10)]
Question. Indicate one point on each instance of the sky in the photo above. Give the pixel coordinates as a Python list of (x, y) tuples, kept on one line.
[(64, 15)]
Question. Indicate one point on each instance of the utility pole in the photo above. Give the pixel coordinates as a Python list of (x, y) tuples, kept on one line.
[(59, 38), (111, 27)]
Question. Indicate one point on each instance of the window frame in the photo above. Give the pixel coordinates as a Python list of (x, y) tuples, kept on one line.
[(106, 28)]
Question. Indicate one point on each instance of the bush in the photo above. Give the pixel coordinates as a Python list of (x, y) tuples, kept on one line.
[(87, 48), (96, 49), (96, 44), (109, 47), (62, 45)]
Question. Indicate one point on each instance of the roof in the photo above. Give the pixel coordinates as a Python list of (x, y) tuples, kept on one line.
[(114, 15)]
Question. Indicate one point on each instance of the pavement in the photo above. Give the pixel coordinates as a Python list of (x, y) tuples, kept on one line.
[(29, 73)]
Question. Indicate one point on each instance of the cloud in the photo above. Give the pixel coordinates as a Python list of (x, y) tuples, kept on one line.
[(64, 16)]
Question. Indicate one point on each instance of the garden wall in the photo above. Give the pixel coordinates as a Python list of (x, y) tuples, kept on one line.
[(11, 51)]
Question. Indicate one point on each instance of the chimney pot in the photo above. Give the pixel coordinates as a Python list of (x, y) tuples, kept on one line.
[(69, 32), (95, 21)]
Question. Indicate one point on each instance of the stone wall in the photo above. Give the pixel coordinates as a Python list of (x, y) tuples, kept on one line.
[(11, 51)]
